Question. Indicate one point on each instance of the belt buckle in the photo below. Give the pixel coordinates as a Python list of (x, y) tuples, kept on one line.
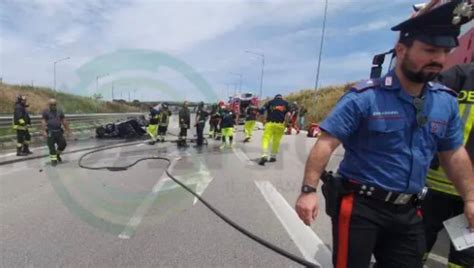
[(402, 199)]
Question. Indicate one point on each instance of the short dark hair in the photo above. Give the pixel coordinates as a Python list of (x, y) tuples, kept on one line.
[(407, 41)]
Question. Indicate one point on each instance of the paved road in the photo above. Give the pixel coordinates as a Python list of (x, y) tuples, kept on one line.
[(68, 216)]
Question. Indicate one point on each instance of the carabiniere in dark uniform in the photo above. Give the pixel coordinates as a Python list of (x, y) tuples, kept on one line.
[(390, 128)]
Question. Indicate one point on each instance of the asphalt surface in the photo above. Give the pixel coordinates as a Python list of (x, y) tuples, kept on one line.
[(74, 217)]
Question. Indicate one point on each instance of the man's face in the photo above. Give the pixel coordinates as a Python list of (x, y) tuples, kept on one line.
[(421, 62)]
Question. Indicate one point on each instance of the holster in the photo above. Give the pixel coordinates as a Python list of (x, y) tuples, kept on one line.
[(333, 190)]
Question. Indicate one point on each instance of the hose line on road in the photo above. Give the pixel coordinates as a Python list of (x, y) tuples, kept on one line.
[(203, 201)]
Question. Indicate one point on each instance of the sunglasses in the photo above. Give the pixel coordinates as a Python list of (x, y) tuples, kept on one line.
[(421, 119)]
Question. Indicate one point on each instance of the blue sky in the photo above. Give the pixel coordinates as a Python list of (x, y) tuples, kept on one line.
[(209, 36)]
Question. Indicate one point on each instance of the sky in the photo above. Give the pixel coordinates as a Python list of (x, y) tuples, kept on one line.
[(189, 49)]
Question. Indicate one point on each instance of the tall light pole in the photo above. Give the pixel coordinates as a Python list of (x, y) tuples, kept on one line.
[(240, 80), (97, 81), (263, 67), (321, 45), (54, 72)]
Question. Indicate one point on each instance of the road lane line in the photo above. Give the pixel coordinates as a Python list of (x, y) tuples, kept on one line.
[(309, 244), (243, 156), (141, 211)]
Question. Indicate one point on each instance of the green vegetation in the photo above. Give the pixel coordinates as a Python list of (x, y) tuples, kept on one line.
[(38, 98), (319, 103)]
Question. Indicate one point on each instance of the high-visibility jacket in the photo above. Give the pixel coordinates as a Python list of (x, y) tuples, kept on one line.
[(461, 79)]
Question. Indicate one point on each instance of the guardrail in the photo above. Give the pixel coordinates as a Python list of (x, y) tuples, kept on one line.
[(76, 121)]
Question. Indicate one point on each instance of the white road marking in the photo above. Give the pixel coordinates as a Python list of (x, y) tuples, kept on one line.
[(143, 208), (243, 156), (309, 244), (201, 179)]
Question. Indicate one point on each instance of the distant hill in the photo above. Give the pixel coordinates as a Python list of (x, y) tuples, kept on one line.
[(38, 99)]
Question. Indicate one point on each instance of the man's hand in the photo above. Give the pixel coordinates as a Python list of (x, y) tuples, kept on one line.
[(307, 207), (469, 212)]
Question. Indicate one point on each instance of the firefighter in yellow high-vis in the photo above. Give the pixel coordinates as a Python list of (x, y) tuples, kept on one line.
[(277, 111), (152, 128), (21, 123), (250, 121), (443, 201)]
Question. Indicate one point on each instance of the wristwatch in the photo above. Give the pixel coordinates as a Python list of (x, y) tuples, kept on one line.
[(308, 189)]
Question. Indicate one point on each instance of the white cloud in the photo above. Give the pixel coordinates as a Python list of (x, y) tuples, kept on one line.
[(209, 35)]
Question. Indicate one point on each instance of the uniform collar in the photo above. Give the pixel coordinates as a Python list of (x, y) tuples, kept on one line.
[(391, 82)]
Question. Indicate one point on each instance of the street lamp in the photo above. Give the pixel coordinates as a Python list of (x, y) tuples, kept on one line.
[(240, 80), (263, 66), (321, 45), (97, 81), (54, 71)]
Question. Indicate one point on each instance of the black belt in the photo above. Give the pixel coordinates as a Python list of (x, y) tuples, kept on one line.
[(381, 194)]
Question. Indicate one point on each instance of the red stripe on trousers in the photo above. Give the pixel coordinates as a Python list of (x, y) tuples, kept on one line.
[(345, 213)]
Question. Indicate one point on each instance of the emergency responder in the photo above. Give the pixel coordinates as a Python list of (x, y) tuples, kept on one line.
[(164, 115), (443, 201), (184, 123), (390, 129), (201, 118), (292, 122), (227, 123), (250, 120), (277, 113), (152, 128), (214, 126), (21, 123), (53, 123)]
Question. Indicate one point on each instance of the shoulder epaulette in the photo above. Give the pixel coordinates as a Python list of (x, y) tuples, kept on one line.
[(364, 85), (439, 86)]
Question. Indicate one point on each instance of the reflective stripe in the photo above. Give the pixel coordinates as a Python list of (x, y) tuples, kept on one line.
[(53, 157), (18, 145), (453, 265), (441, 186), (18, 127)]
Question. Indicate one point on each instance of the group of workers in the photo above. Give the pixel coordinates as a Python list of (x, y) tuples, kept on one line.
[(278, 115), (53, 124), (401, 133)]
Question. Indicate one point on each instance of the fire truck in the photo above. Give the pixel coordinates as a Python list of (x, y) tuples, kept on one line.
[(239, 104)]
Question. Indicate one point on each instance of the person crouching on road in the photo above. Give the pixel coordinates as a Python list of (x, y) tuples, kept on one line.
[(52, 123), (184, 123), (21, 123), (277, 112), (163, 121), (227, 127), (152, 127), (250, 121)]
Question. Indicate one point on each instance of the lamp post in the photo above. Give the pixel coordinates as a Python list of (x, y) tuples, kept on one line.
[(321, 45), (263, 67), (97, 81), (240, 80), (54, 72)]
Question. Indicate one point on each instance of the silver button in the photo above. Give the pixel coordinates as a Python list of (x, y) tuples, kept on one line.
[(369, 193), (372, 189), (361, 192), (364, 187)]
